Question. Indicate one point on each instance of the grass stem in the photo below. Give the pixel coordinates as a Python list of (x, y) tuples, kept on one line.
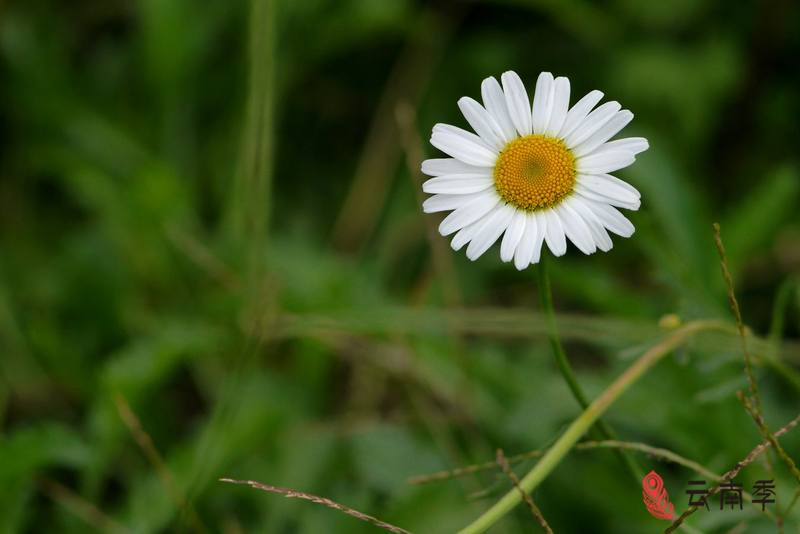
[(584, 422), (603, 430)]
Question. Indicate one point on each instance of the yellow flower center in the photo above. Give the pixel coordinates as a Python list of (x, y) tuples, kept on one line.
[(534, 172)]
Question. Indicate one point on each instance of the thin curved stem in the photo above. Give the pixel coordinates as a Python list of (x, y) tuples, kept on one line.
[(584, 422), (603, 430), (546, 294)]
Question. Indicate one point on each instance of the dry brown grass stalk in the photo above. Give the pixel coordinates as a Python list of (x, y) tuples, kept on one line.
[(150, 451), (324, 501), (535, 511), (726, 275), (80, 507), (762, 427), (730, 475)]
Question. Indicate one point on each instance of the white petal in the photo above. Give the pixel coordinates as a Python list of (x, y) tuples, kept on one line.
[(604, 162), (440, 166), (601, 237), (465, 235), (495, 102), (524, 252), (441, 127), (610, 187), (482, 122), (468, 213), (513, 235), (632, 144), (560, 106), (578, 112), (438, 203), (463, 145), (493, 225), (542, 102), (554, 235), (457, 184), (590, 194), (612, 219), (576, 229), (519, 107), (541, 228), (620, 183), (593, 122), (607, 148), (608, 130)]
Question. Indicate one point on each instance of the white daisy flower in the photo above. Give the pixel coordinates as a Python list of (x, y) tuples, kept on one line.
[(534, 174)]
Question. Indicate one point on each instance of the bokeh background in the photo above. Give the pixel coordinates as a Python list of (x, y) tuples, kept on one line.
[(213, 262)]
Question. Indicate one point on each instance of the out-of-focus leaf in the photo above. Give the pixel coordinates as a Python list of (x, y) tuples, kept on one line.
[(675, 238), (25, 454), (750, 224)]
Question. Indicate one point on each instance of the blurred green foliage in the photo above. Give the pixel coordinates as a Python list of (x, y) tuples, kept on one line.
[(206, 212)]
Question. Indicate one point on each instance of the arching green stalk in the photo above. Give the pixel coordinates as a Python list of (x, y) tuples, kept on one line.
[(603, 430), (581, 425), (546, 295)]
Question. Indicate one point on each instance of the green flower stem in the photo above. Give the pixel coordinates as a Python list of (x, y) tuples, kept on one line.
[(564, 366), (583, 423), (602, 428)]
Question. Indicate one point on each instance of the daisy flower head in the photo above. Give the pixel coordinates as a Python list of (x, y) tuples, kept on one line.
[(534, 173)]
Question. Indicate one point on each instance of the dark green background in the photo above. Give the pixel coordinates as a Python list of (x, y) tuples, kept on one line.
[(206, 210)]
